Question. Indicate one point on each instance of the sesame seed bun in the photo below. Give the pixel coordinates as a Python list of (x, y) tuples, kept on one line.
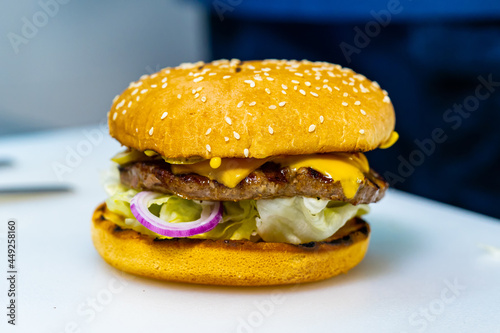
[(226, 262), (252, 109)]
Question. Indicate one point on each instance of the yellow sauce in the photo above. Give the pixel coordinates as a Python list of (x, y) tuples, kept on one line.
[(392, 140)]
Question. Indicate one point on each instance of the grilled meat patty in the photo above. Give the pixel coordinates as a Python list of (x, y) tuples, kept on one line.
[(269, 181)]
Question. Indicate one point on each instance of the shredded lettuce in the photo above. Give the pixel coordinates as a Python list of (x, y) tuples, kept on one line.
[(294, 220)]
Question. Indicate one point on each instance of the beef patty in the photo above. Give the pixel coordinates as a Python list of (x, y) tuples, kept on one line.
[(268, 181)]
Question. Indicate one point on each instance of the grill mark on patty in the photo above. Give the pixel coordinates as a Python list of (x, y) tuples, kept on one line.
[(268, 181)]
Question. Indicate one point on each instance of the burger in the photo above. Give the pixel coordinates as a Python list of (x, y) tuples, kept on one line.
[(244, 173)]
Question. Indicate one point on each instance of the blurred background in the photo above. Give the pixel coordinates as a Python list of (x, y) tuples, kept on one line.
[(63, 61)]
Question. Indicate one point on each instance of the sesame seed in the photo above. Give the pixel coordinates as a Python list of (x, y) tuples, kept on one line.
[(209, 148), (375, 83), (199, 89), (266, 74), (363, 112), (164, 115), (325, 80), (357, 103), (386, 99), (284, 92), (302, 91), (116, 98), (385, 92), (193, 91), (363, 89), (144, 77), (164, 80), (266, 69), (129, 104), (151, 131), (239, 104), (212, 74), (251, 67), (208, 131), (236, 135), (284, 87), (257, 77), (272, 107), (135, 91), (318, 88), (307, 83), (345, 94), (299, 74), (312, 128), (344, 81), (245, 151), (225, 77), (351, 83), (252, 104), (270, 129), (228, 120), (344, 103), (203, 99), (321, 119), (295, 81), (295, 87), (269, 78), (154, 86), (250, 82), (143, 91), (314, 94), (137, 98), (136, 130), (226, 139), (197, 95), (198, 79), (361, 131), (268, 91), (119, 105), (282, 103), (115, 115), (179, 96), (124, 111), (164, 85)]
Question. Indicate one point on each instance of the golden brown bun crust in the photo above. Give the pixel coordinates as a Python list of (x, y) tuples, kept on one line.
[(230, 263), (252, 109)]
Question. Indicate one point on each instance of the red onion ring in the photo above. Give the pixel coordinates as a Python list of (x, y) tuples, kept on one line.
[(211, 215)]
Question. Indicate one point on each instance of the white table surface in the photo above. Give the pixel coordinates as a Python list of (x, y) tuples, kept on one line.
[(426, 270)]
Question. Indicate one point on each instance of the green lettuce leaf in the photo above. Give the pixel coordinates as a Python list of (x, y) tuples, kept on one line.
[(300, 220)]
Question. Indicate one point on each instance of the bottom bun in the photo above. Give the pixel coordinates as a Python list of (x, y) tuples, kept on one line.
[(229, 262)]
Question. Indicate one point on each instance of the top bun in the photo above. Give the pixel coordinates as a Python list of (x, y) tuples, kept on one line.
[(252, 109)]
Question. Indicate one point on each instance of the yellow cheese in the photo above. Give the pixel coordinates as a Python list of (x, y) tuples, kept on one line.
[(346, 168), (392, 140), (230, 172)]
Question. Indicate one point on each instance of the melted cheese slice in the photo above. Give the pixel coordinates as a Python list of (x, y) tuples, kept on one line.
[(346, 168), (227, 171)]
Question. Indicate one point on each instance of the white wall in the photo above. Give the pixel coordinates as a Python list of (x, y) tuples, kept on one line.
[(84, 53)]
